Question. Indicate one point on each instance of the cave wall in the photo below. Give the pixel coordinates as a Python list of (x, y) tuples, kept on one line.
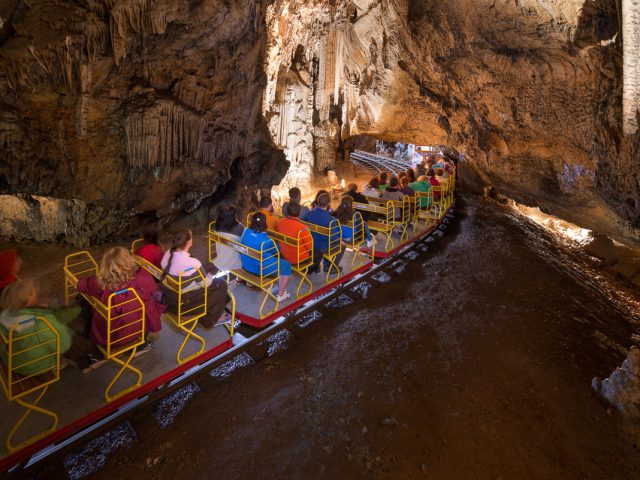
[(530, 91), (138, 109), (144, 109)]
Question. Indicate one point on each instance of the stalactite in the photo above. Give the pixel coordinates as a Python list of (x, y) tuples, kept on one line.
[(125, 15), (162, 135), (631, 65), (339, 65), (330, 69)]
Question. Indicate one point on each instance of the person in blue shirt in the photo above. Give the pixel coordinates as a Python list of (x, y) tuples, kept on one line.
[(255, 237), (319, 215)]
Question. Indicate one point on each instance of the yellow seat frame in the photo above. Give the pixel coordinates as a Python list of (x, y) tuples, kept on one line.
[(302, 246), (359, 235), (381, 207), (16, 387), (334, 242), (81, 264), (266, 280)]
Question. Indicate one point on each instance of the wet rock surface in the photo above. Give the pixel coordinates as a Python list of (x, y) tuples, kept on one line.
[(460, 367)]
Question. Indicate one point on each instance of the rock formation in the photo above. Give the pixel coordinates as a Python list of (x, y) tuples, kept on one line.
[(148, 108), (622, 388), (138, 109)]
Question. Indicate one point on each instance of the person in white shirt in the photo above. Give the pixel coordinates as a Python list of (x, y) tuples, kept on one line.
[(227, 259)]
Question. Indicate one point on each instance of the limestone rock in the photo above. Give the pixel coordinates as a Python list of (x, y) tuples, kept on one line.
[(622, 388)]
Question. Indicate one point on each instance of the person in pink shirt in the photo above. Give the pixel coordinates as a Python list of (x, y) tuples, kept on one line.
[(151, 251)]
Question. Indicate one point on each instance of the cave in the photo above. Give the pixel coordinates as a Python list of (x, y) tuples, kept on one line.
[(470, 332)]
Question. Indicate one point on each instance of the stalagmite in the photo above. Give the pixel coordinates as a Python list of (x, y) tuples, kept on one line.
[(631, 65)]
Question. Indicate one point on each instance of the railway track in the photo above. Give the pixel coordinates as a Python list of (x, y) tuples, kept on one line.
[(246, 340), (377, 163)]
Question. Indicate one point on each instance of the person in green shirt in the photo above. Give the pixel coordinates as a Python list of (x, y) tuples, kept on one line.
[(35, 342), (422, 185)]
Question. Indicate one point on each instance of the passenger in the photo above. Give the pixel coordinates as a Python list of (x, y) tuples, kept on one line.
[(178, 263), (345, 215), (119, 271), (382, 181), (421, 168), (440, 176), (151, 250), (256, 238), (352, 191), (321, 216), (401, 175), (393, 193), (411, 175), (371, 189), (293, 227), (422, 185), (10, 263), (227, 226), (295, 196), (34, 342), (266, 207), (405, 188), (315, 202), (434, 183)]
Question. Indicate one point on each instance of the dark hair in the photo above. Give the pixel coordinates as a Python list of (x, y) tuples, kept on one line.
[(374, 182), (411, 175), (318, 195), (265, 202), (383, 177), (179, 242), (344, 212), (324, 200), (293, 209), (151, 233), (393, 182), (226, 219), (258, 222), (294, 193), (404, 182), (352, 187), (431, 172)]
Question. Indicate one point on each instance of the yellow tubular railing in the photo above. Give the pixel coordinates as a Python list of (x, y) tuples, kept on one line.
[(334, 243), (187, 320), (384, 208), (127, 345), (268, 258), (17, 386), (303, 245), (357, 239), (402, 216), (424, 205)]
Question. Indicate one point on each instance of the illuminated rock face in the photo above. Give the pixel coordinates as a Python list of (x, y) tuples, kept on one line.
[(530, 91), (151, 108)]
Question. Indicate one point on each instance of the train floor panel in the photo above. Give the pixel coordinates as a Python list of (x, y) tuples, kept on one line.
[(249, 299), (397, 243), (77, 394)]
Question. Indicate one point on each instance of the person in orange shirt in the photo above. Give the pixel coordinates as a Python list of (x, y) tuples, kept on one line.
[(266, 207), (293, 227)]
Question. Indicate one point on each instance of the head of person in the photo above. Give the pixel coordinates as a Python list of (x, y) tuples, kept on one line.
[(439, 172), (422, 178), (266, 204), (117, 268), (431, 173), (151, 234), (181, 242), (295, 194), (324, 201), (411, 175), (293, 210), (374, 182), (344, 212), (382, 178), (258, 222), (226, 219), (401, 175), (404, 181), (393, 182), (352, 187), (318, 195), (19, 294)]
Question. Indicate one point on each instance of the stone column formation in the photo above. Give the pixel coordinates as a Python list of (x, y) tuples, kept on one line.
[(631, 66)]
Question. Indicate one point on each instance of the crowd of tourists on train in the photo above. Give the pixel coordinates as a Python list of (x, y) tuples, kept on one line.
[(81, 329)]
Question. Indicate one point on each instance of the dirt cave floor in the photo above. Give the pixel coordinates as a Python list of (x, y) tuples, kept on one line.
[(474, 362)]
